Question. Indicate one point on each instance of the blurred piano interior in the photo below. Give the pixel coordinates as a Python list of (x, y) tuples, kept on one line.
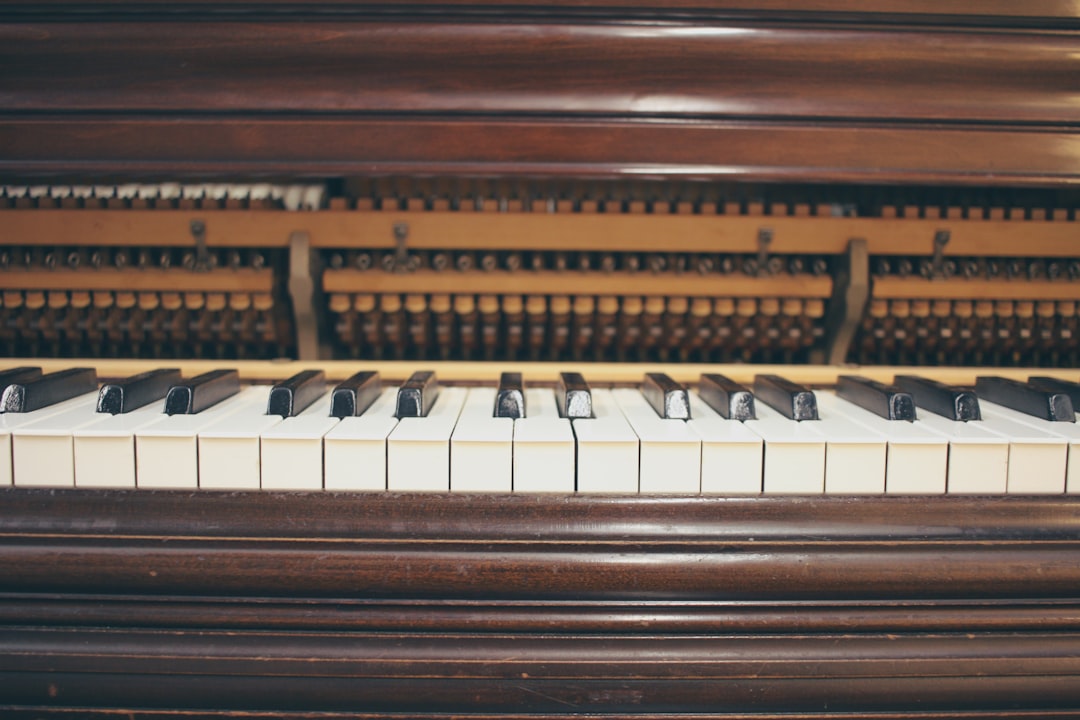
[(603, 185)]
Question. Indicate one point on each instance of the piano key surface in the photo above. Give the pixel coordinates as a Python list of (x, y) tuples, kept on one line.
[(627, 447)]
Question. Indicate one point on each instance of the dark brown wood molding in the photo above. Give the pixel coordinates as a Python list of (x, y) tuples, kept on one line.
[(752, 98), (76, 146), (575, 548)]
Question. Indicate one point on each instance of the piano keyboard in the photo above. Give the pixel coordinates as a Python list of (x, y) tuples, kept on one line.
[(449, 439)]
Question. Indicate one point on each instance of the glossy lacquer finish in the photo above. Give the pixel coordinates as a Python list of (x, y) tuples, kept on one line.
[(698, 91), (435, 603)]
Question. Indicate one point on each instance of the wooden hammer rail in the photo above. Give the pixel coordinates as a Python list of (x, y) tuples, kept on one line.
[(569, 231)]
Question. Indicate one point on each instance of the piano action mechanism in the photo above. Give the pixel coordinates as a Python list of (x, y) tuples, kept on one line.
[(487, 186)]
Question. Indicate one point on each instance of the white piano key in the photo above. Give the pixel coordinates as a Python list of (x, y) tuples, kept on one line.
[(355, 449), (230, 450), (481, 447), (167, 452), (418, 449), (669, 450), (543, 446), (42, 447), (918, 458), (1038, 455), (855, 455), (292, 450), (607, 449), (794, 461), (978, 457), (105, 449), (731, 453)]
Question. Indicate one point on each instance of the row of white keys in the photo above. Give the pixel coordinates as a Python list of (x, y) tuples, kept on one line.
[(918, 457), (292, 450), (731, 453), (1039, 451), (543, 447), (607, 449), (36, 447), (355, 449), (167, 452), (418, 449), (670, 450)]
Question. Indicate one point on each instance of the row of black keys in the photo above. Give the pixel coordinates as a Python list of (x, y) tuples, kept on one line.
[(25, 389)]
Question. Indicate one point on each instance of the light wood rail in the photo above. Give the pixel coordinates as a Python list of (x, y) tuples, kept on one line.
[(538, 372), (571, 282), (539, 231)]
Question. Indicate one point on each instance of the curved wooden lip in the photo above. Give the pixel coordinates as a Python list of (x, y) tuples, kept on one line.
[(537, 520)]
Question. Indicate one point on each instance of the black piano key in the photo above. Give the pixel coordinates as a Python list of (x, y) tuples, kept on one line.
[(201, 392), (510, 398), (136, 391), (291, 397), (48, 390), (573, 396), (1050, 384), (792, 400), (1047, 405), (886, 401), (355, 395), (727, 397), (949, 401), (18, 375), (668, 398), (416, 396)]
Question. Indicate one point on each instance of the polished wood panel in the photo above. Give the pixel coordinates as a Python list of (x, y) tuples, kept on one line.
[(444, 66), (765, 98), (440, 603)]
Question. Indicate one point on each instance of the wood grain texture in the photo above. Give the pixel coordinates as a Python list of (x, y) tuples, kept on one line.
[(222, 603), (521, 547), (572, 231), (759, 98)]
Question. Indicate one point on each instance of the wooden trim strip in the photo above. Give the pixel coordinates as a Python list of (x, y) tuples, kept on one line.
[(537, 372), (501, 282), (142, 280), (819, 152), (429, 230), (917, 288)]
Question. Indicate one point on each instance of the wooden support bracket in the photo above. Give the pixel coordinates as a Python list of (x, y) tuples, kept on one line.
[(851, 292)]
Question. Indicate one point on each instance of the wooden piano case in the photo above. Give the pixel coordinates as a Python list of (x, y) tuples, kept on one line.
[(143, 604), (295, 605)]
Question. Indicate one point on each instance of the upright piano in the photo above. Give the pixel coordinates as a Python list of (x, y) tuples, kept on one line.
[(610, 187)]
